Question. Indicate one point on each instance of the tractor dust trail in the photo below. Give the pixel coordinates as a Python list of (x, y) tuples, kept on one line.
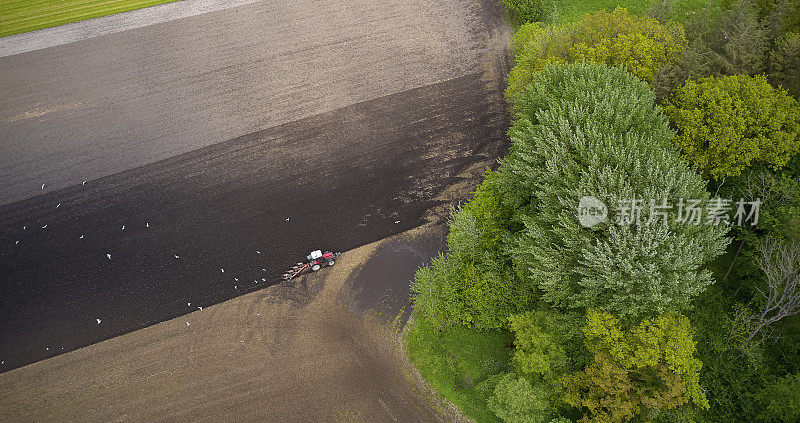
[(343, 139)]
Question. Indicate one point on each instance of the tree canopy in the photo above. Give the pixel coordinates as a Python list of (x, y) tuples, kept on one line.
[(640, 44), (591, 130), (648, 367), (726, 124)]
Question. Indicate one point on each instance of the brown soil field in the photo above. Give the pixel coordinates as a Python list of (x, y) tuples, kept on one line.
[(290, 352)]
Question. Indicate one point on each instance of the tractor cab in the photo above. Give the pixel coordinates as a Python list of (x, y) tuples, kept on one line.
[(314, 255)]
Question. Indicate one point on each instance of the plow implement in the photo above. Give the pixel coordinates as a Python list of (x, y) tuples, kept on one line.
[(314, 261)]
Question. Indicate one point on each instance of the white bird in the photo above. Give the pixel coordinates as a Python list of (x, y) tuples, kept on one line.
[(44, 226), (42, 186), (287, 219), (187, 323), (48, 349), (396, 222), (3, 362), (189, 304), (223, 270), (177, 256), (81, 237), (147, 224), (263, 279), (84, 183), (200, 308), (98, 321), (236, 279), (258, 252), (25, 227), (109, 256), (236, 287), (58, 205), (123, 227), (263, 270)]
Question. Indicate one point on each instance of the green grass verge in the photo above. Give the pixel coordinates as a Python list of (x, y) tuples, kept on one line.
[(17, 16), (682, 10), (456, 360)]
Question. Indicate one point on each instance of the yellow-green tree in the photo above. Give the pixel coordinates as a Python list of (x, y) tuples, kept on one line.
[(640, 44), (725, 124), (648, 367)]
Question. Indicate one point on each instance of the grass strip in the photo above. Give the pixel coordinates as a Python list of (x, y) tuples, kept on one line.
[(18, 16)]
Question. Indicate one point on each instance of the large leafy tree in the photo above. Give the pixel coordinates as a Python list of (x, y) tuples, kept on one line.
[(641, 44), (729, 123), (591, 130), (649, 367)]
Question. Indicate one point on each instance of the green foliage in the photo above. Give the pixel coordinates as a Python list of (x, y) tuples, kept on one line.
[(779, 217), (485, 218), (452, 292), (746, 38), (679, 10), (474, 283), (732, 378), (726, 124), (516, 400), (640, 44), (548, 343), (648, 368), (784, 65), (460, 363), (29, 15), (743, 42), (782, 399), (524, 11), (591, 130), (732, 383)]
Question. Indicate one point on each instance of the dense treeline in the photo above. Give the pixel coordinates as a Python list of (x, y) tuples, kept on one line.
[(645, 315)]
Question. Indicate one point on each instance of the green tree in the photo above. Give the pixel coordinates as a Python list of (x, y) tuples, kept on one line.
[(784, 65), (647, 368), (590, 130), (473, 283), (516, 400), (524, 11), (726, 124), (640, 44), (782, 399), (741, 46), (548, 343)]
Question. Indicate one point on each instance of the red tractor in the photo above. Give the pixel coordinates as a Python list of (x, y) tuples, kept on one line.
[(314, 261)]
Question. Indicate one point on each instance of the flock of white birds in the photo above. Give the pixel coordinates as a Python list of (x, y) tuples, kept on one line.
[(109, 257)]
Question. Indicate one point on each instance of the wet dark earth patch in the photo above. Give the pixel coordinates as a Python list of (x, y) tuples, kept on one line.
[(381, 285)]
